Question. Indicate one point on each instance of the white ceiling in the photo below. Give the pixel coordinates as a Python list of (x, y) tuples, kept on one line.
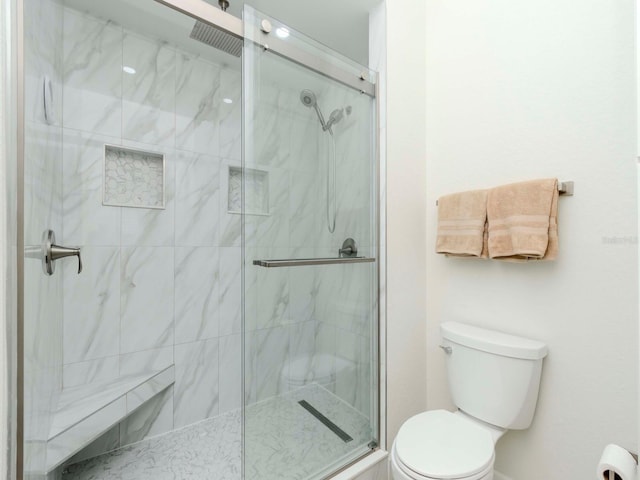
[(342, 25)]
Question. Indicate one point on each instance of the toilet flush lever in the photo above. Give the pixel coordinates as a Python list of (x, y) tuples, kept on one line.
[(446, 349)]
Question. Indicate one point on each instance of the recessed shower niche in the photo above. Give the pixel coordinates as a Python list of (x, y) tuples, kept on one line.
[(133, 178), (257, 191)]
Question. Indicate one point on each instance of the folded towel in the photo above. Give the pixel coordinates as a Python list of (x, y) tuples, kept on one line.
[(522, 220), (462, 219)]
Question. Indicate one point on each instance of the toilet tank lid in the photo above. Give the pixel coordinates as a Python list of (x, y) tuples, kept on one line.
[(493, 342)]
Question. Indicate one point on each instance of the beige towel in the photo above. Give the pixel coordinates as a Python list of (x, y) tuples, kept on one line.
[(462, 219), (523, 221)]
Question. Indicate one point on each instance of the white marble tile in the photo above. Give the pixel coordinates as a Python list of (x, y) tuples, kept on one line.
[(306, 134), (293, 444), (108, 441), (147, 288), (42, 376), (43, 181), (230, 223), (197, 104), (92, 94), (270, 293), (230, 114), (209, 449), (70, 441), (306, 203), (267, 356), (197, 286), (348, 348), (148, 106), (43, 58), (345, 297), (92, 305), (145, 361), (230, 290), (133, 178), (153, 386), (230, 371), (148, 226), (273, 126), (272, 230), (196, 387), (283, 441), (304, 284), (43, 357), (90, 371), (86, 220), (152, 418), (197, 200)]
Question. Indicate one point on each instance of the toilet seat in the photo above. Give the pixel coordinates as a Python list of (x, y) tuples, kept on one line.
[(441, 445)]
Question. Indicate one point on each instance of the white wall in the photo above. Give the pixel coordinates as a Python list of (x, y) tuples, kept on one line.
[(406, 204), (520, 90)]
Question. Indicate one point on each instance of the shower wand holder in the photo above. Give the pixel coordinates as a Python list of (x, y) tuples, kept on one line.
[(349, 249)]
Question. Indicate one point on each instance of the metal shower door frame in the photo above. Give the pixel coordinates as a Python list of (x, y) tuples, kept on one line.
[(207, 13), (231, 25)]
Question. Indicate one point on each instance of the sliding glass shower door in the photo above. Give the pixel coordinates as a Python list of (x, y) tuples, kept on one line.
[(309, 249)]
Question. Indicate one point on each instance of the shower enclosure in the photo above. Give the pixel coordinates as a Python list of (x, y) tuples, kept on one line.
[(199, 243)]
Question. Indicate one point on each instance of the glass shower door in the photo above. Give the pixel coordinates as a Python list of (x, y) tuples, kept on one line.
[(310, 294)]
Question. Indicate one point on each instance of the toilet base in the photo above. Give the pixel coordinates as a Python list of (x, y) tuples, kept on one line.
[(399, 472)]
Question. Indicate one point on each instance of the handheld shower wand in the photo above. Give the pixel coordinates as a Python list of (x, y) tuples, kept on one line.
[(309, 100)]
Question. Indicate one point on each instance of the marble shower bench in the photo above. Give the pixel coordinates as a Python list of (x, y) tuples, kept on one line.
[(86, 412)]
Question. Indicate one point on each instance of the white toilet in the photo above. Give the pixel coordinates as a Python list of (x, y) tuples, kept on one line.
[(494, 380)]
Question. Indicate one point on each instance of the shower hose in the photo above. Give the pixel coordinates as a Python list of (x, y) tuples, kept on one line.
[(331, 185)]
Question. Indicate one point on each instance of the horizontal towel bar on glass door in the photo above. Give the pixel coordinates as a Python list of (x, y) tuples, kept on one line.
[(305, 262)]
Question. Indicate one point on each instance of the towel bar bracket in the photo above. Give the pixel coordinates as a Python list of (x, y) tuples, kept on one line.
[(565, 188)]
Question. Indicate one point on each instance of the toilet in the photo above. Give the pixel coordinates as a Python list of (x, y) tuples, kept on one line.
[(494, 380)]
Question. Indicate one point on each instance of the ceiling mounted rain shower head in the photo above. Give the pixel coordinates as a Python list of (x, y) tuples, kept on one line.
[(216, 38)]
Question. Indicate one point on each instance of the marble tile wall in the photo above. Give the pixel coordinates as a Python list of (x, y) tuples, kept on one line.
[(312, 323), (162, 286), (43, 182)]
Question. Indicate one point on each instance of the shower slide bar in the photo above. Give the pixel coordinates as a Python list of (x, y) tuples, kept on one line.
[(304, 262)]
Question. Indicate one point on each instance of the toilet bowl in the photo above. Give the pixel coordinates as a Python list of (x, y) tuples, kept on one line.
[(438, 445), (441, 445)]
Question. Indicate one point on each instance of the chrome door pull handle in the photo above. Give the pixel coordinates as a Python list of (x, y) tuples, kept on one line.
[(446, 349), (53, 252)]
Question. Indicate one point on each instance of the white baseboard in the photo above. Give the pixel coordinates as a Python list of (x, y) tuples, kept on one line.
[(500, 476), (354, 472)]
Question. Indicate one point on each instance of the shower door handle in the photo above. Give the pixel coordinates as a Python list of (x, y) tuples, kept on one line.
[(53, 252)]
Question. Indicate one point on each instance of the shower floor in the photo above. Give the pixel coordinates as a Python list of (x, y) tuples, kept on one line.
[(283, 441)]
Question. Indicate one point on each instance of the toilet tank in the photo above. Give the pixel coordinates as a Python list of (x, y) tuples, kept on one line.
[(493, 376)]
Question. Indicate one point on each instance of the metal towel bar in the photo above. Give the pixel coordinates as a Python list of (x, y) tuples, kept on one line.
[(564, 188), (304, 262)]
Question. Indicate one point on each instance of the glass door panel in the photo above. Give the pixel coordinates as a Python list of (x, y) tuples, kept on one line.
[(310, 327)]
